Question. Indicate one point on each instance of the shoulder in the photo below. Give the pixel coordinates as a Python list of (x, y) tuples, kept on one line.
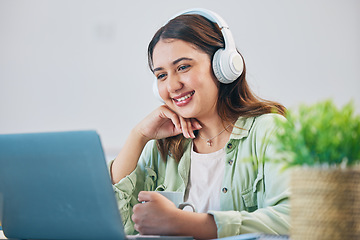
[(246, 126), (268, 121), (269, 118), (265, 125)]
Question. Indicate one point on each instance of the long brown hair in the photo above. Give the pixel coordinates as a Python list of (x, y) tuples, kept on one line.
[(235, 99)]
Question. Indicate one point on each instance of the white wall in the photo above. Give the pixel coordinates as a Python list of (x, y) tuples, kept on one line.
[(71, 65)]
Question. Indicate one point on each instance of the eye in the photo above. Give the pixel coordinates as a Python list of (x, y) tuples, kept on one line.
[(183, 67), (161, 76)]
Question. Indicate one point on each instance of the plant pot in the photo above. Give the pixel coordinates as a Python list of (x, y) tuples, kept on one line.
[(325, 204)]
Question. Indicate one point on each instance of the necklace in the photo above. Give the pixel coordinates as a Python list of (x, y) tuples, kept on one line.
[(208, 140)]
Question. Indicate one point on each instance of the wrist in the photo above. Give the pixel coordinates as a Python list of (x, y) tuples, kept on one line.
[(198, 225), (139, 136)]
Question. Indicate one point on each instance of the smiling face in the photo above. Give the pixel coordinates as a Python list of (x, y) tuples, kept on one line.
[(185, 79)]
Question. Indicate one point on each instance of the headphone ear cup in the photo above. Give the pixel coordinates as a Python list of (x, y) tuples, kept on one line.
[(227, 65), (216, 66), (156, 91)]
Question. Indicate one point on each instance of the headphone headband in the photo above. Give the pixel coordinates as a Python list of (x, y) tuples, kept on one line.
[(214, 17)]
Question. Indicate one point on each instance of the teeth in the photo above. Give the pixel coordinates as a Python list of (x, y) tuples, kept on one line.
[(185, 97)]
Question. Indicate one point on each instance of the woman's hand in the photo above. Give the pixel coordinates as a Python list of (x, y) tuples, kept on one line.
[(156, 215), (159, 216), (163, 123)]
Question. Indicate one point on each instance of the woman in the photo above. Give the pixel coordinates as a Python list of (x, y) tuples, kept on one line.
[(209, 140)]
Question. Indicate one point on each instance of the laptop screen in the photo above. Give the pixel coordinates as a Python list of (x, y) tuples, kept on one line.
[(56, 186)]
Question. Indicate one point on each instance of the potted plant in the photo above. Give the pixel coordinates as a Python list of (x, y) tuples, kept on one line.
[(323, 142)]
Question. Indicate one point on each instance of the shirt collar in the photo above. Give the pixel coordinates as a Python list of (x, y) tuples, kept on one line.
[(242, 127)]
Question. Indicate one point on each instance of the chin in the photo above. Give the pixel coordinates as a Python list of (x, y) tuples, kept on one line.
[(183, 113), (179, 111), (186, 114)]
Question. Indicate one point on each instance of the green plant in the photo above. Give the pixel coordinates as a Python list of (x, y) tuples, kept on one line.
[(321, 134)]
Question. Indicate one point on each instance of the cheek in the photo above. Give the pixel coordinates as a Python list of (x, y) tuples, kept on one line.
[(209, 85), (164, 94)]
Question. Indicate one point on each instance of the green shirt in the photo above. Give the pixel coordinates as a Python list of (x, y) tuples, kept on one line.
[(255, 193)]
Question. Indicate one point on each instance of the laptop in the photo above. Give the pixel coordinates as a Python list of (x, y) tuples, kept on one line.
[(57, 186)]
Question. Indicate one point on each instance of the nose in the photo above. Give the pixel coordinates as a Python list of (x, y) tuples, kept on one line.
[(174, 84)]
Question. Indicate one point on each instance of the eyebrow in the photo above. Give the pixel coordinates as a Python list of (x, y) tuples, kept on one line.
[(174, 63)]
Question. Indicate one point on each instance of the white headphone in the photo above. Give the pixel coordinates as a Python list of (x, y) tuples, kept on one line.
[(227, 63)]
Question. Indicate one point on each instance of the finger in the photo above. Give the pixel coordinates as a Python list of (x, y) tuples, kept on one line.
[(145, 196), (169, 114), (135, 217), (195, 124), (136, 227), (184, 127), (190, 129)]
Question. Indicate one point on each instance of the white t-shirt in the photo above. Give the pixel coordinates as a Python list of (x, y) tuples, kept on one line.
[(206, 176)]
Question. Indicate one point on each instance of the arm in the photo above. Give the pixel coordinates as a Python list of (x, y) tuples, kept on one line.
[(161, 123), (126, 161), (127, 175)]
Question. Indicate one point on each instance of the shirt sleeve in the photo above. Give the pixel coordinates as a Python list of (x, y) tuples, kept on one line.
[(271, 217), (126, 199), (271, 220), (271, 189), (128, 188)]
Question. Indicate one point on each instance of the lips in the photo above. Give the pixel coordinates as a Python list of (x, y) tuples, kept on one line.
[(183, 99)]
